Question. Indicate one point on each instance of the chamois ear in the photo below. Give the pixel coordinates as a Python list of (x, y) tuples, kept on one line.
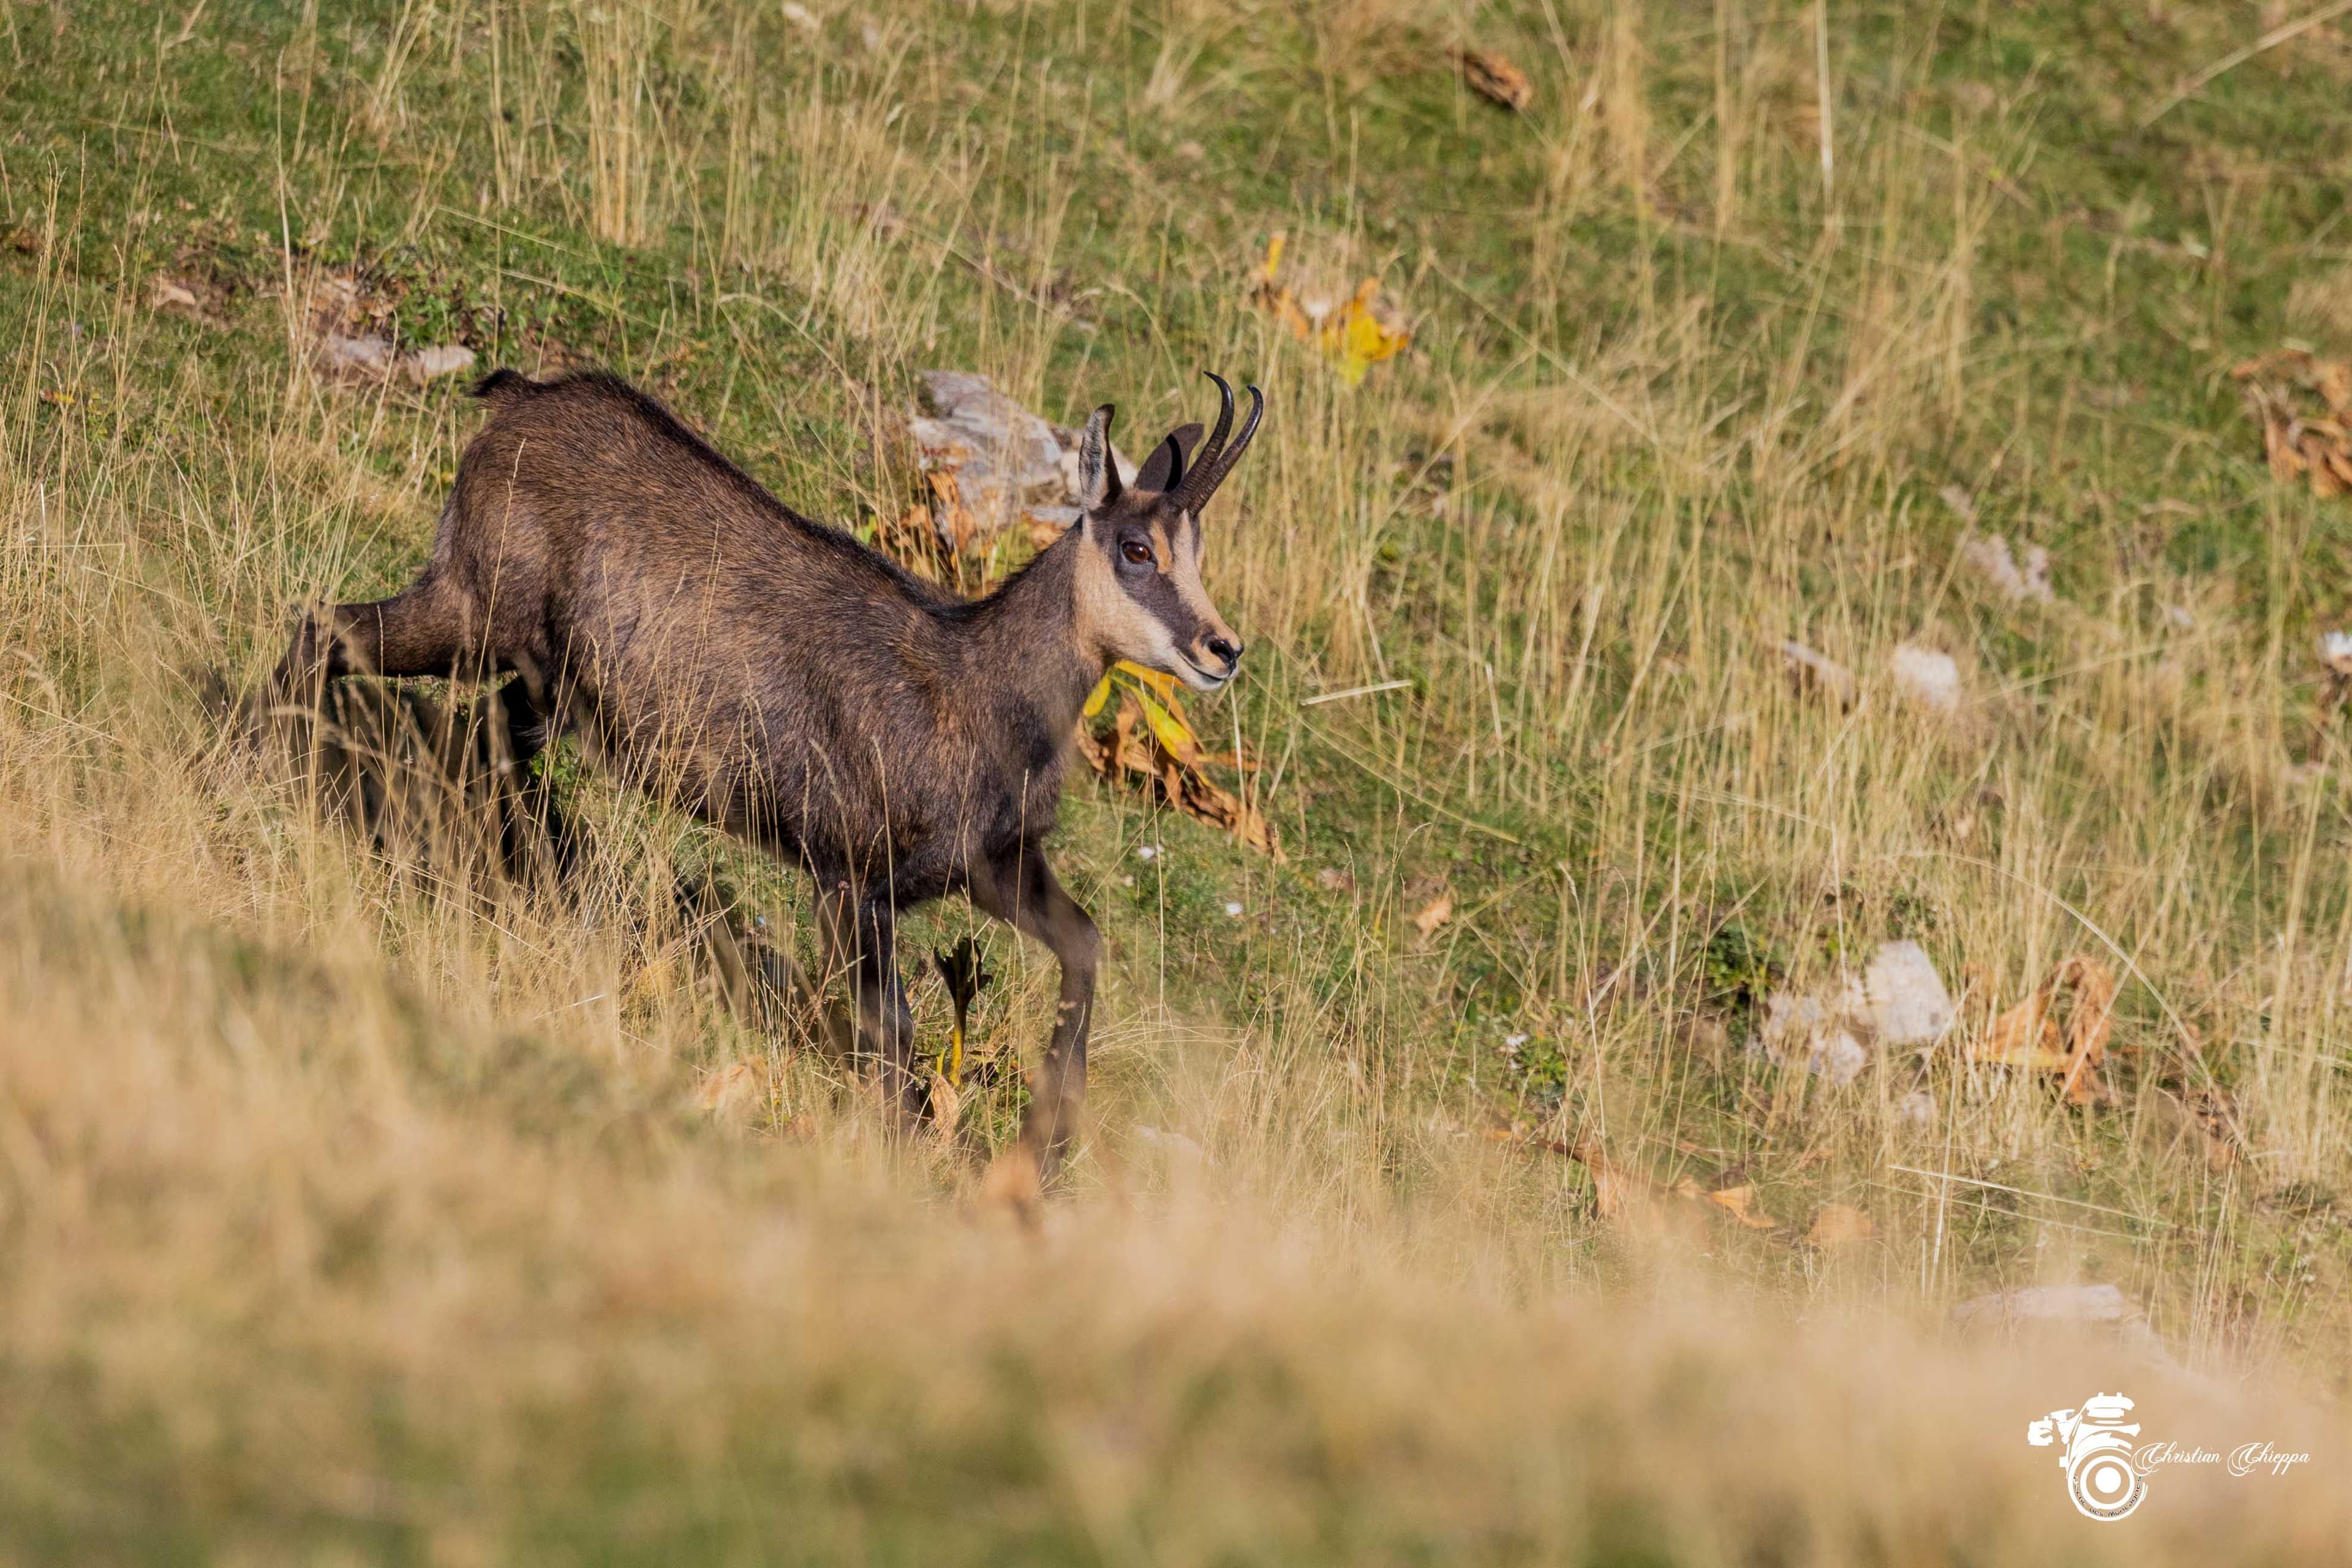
[(1098, 483), (1164, 470)]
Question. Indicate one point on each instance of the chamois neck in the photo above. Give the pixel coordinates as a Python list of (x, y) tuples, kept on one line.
[(1028, 631)]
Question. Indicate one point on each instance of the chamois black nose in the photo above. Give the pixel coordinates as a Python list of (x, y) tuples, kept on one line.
[(1231, 652)]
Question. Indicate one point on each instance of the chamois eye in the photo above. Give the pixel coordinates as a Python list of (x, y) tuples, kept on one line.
[(1135, 549)]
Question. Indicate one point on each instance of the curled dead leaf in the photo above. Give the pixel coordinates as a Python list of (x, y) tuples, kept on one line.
[(1614, 1188), (2028, 1036), (1151, 738), (1735, 1201), (1432, 914), (2303, 404), (1497, 79), (946, 1106)]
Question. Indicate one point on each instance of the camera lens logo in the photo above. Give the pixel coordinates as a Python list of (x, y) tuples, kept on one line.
[(2097, 1457)]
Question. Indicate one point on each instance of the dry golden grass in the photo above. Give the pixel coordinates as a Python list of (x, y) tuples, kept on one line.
[(349, 1206)]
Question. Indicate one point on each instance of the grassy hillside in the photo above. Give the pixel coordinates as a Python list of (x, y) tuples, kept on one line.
[(353, 1209)]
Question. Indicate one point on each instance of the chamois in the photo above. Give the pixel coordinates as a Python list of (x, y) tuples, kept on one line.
[(779, 679)]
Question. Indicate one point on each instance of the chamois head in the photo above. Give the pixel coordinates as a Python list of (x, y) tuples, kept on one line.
[(1139, 593)]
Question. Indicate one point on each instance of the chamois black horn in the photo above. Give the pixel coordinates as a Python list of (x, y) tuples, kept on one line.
[(1217, 460)]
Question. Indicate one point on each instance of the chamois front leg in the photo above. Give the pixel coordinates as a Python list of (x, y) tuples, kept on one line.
[(860, 934), (1023, 892)]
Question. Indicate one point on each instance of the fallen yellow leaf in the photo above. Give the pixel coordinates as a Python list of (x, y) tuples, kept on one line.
[(1354, 337), (1173, 734)]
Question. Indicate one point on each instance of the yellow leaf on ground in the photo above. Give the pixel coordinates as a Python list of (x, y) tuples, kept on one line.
[(1097, 697), (1354, 337), (1840, 1225), (1357, 339), (1173, 734)]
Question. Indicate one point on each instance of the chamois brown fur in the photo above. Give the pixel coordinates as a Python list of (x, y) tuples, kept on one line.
[(780, 679)]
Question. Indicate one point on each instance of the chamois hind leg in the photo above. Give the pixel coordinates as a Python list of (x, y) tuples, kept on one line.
[(1022, 890), (423, 630), (859, 933)]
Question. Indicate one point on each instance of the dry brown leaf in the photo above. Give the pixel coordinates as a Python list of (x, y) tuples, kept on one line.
[(2304, 406), (1614, 1188), (166, 293), (2212, 1116), (2028, 1034), (1734, 1201), (734, 1092), (1151, 738), (1435, 913), (1497, 79), (946, 1106), (1839, 1224)]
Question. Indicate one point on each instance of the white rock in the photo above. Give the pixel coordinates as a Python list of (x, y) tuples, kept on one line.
[(1801, 1029), (2018, 578), (2335, 651), (1008, 463), (440, 360), (2048, 1303), (1899, 999), (1923, 675), (337, 351), (1185, 1150)]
